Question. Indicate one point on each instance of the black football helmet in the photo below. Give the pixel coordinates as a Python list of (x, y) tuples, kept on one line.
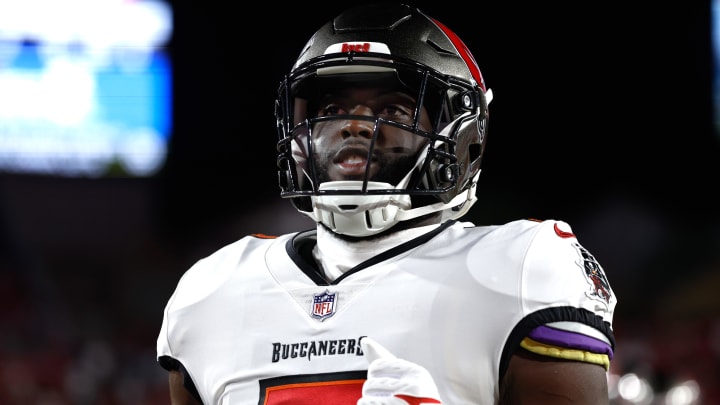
[(386, 44)]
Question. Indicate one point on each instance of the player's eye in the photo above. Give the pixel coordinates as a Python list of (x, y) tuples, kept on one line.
[(331, 109), (397, 112)]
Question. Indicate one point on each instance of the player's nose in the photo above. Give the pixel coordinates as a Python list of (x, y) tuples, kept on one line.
[(359, 127)]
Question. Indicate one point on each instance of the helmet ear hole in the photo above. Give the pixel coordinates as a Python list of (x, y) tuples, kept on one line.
[(463, 101)]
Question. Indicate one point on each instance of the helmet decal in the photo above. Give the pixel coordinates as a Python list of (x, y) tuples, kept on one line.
[(358, 46)]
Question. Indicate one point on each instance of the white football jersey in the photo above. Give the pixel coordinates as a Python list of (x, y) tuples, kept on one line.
[(257, 323)]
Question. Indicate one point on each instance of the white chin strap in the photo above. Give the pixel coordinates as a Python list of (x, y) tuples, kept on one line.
[(365, 215), (358, 215)]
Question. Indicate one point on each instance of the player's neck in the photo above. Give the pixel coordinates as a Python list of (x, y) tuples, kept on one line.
[(335, 255)]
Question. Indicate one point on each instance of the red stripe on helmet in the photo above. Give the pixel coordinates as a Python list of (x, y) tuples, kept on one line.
[(464, 53)]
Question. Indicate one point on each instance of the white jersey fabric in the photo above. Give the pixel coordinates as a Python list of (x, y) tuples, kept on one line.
[(257, 323)]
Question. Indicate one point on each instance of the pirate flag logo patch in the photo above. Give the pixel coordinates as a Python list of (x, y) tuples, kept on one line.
[(595, 275)]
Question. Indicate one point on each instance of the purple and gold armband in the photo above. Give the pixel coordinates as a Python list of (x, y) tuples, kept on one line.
[(570, 345)]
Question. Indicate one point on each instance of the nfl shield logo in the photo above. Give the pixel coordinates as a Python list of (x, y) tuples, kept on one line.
[(323, 305)]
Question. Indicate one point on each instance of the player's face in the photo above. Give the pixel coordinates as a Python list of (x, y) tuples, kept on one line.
[(342, 145)]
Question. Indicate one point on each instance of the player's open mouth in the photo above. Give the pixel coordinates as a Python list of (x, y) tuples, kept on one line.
[(352, 161), (352, 165)]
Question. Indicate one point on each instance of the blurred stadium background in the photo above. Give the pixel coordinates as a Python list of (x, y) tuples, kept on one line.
[(604, 116)]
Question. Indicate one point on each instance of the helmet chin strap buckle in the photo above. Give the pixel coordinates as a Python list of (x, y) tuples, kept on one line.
[(358, 214)]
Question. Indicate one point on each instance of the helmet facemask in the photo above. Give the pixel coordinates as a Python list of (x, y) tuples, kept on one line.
[(371, 203)]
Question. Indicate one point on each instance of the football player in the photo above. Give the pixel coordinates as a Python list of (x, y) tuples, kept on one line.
[(391, 298)]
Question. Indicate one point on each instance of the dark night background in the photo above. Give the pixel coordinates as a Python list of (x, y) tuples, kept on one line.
[(602, 117)]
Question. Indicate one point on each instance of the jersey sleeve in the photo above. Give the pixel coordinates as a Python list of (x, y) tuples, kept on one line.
[(567, 299), (189, 309), (194, 284)]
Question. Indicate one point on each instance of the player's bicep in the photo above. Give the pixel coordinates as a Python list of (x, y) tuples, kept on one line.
[(539, 380), (179, 395)]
